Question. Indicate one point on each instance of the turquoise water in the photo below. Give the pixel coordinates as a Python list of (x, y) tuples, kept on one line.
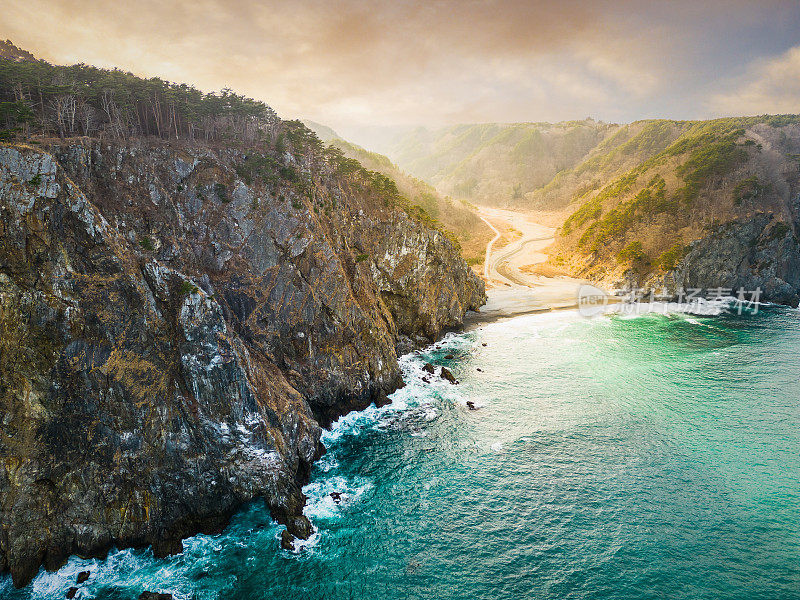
[(649, 457)]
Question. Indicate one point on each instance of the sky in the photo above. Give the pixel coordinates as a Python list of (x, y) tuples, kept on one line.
[(357, 65)]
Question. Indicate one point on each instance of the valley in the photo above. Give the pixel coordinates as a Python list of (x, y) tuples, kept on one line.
[(243, 356), (517, 282)]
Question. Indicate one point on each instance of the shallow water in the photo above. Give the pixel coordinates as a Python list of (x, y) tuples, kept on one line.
[(648, 457)]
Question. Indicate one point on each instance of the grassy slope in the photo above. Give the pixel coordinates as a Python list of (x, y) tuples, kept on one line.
[(655, 186), (499, 164)]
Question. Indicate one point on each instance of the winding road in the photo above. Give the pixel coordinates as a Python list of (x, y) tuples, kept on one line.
[(511, 289)]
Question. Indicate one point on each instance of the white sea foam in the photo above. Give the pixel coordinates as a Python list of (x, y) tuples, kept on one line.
[(410, 409)]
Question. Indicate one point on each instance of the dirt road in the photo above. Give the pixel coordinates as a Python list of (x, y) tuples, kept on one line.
[(512, 290)]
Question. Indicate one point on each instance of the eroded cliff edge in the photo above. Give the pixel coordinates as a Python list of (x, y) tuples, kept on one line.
[(178, 322)]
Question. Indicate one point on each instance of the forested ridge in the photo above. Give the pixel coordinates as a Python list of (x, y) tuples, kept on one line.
[(37, 97), (45, 100)]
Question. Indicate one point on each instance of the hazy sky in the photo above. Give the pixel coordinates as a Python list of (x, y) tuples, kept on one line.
[(398, 62)]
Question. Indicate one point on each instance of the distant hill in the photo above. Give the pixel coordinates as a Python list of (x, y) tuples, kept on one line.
[(454, 216), (655, 203), (325, 133), (499, 164), (661, 196)]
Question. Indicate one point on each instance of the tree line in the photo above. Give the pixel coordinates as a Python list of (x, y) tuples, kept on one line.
[(82, 100)]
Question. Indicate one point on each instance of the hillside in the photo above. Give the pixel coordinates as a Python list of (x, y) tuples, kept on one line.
[(649, 204), (190, 288), (497, 164), (8, 51), (687, 204), (455, 216)]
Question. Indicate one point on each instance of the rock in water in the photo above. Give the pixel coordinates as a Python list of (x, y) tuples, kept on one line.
[(179, 348), (83, 576), (428, 368), (287, 540), (446, 374), (71, 592), (154, 596)]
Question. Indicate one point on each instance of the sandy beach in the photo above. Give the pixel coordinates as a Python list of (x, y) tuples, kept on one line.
[(511, 287)]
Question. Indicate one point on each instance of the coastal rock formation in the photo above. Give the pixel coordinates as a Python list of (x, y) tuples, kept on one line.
[(759, 253), (708, 205), (176, 328)]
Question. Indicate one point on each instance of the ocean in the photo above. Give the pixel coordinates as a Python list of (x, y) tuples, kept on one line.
[(622, 457)]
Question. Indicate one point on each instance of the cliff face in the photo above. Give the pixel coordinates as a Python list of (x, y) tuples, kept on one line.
[(455, 216), (175, 330)]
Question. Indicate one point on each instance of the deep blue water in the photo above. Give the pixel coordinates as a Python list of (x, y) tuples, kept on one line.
[(649, 457)]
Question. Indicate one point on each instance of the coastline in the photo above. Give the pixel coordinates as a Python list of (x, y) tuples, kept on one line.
[(512, 288)]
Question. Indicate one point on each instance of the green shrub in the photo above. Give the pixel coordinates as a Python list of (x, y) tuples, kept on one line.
[(589, 211), (36, 180), (669, 259), (187, 287), (221, 192), (257, 167), (147, 244), (748, 190), (289, 174), (707, 164), (633, 252), (362, 257)]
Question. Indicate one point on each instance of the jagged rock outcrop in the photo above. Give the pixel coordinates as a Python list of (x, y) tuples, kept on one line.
[(759, 256), (174, 336)]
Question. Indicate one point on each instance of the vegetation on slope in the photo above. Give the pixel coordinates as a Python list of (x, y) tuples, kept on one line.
[(40, 99), (711, 173), (456, 217), (500, 164)]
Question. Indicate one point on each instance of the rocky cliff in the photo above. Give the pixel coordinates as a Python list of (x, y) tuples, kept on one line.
[(673, 205), (179, 320), (455, 216)]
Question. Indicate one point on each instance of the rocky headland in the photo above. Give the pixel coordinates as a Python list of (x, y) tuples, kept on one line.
[(179, 320)]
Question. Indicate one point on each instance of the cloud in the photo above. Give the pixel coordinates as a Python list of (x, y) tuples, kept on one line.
[(771, 86), (394, 62)]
